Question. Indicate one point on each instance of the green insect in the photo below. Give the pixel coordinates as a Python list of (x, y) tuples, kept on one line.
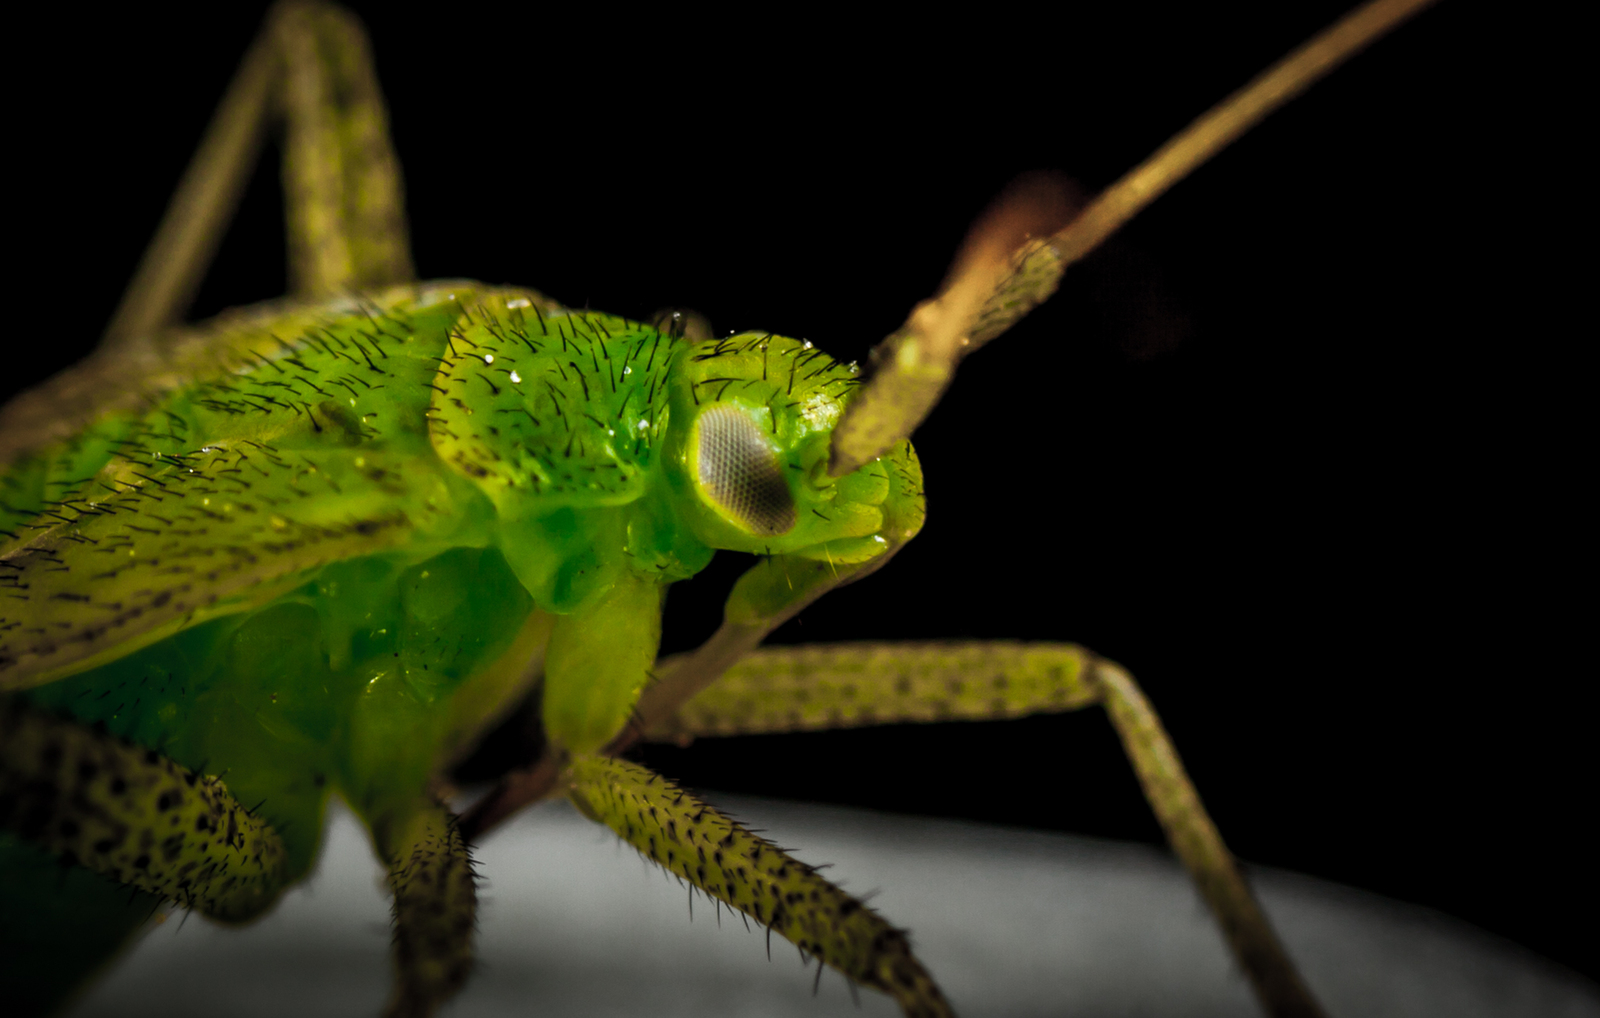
[(320, 547)]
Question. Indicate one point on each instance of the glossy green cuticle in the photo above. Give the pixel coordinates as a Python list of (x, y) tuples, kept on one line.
[(365, 507)]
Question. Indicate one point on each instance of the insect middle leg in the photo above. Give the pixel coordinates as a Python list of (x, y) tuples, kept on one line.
[(809, 688), (734, 866)]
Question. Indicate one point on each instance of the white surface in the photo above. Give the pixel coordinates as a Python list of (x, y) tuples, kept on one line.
[(1011, 923)]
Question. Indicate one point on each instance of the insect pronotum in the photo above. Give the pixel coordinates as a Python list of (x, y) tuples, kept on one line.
[(826, 302)]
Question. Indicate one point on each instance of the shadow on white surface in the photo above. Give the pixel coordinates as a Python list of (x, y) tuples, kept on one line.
[(1011, 923)]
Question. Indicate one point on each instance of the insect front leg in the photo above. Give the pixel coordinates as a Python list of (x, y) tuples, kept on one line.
[(599, 659), (822, 686), (731, 864), (597, 663), (767, 595)]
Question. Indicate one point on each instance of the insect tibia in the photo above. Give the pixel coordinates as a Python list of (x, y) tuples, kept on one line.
[(824, 686), (731, 864), (435, 904)]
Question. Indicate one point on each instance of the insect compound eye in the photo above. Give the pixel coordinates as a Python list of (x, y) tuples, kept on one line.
[(739, 472)]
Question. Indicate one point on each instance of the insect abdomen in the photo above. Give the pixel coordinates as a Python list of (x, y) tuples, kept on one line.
[(344, 683)]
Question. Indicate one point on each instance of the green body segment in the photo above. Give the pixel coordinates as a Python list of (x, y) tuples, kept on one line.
[(319, 548)]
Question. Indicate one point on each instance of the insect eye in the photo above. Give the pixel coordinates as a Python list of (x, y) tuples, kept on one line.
[(739, 472)]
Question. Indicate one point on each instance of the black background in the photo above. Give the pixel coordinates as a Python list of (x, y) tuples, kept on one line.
[(1298, 448)]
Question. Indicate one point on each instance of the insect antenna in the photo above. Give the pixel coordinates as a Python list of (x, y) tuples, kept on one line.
[(1013, 258)]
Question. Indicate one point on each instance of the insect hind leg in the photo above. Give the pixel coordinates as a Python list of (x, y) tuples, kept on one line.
[(135, 816), (311, 67), (830, 686), (95, 833)]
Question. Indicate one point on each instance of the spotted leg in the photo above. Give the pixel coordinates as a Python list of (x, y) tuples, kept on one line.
[(311, 66), (435, 904), (787, 689), (728, 862), (96, 833)]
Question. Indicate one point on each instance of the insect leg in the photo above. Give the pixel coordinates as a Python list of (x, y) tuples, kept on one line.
[(135, 816), (821, 686), (808, 688), (435, 902), (597, 661), (1195, 839), (347, 225), (726, 861), (768, 594), (310, 64), (1015, 254)]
